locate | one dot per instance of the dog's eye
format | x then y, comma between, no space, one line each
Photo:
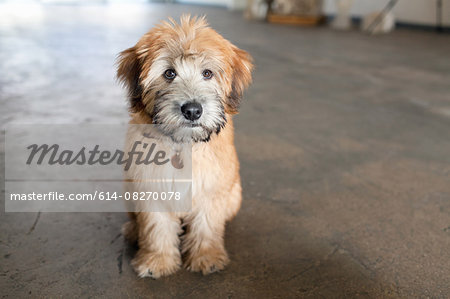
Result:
207,74
170,74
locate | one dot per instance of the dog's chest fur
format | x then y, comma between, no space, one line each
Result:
212,166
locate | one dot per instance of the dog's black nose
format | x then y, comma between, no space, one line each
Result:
192,110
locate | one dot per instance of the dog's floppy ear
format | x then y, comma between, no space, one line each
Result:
242,77
128,72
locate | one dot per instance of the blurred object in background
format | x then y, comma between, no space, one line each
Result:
297,7
343,20
297,12
256,9
380,22
411,14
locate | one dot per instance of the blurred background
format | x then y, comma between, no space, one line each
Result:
343,138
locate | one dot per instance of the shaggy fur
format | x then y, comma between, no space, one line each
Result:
188,48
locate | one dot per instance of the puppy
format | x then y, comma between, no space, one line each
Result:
188,80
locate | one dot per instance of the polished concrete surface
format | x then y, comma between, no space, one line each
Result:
344,142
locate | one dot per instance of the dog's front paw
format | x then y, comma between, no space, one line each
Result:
207,260
155,265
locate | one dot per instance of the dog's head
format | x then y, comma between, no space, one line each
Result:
186,78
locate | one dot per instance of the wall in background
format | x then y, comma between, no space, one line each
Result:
225,3
421,12
231,4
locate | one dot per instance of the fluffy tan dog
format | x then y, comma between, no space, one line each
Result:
188,80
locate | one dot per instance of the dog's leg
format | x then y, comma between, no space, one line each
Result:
130,229
158,240
203,245
234,201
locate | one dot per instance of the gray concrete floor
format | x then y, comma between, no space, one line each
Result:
344,142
